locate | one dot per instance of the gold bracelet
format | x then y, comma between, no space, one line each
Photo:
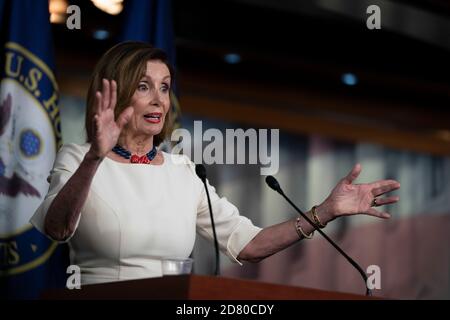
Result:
296,229
316,217
300,231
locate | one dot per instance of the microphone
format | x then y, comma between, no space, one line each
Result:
273,184
200,170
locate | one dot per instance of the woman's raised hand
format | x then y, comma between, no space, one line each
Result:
349,199
106,129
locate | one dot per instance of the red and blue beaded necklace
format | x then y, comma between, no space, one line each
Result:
124,153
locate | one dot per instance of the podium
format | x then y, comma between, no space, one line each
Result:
195,287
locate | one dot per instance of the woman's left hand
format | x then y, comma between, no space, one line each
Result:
349,199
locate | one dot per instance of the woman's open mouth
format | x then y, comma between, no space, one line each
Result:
154,117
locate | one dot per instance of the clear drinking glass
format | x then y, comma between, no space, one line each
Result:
175,266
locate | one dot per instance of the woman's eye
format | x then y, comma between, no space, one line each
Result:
142,87
165,88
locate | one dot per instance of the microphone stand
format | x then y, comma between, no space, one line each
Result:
201,173
273,184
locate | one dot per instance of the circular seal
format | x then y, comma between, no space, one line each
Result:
29,138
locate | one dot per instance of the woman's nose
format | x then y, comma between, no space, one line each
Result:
156,99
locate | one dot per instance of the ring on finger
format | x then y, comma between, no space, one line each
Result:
374,202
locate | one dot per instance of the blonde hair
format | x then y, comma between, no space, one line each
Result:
126,63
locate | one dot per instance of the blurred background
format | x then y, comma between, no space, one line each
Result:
338,92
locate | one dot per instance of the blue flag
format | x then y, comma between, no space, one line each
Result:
151,21
30,136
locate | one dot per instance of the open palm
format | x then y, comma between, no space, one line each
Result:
348,198
106,128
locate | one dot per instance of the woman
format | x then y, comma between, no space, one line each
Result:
123,205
